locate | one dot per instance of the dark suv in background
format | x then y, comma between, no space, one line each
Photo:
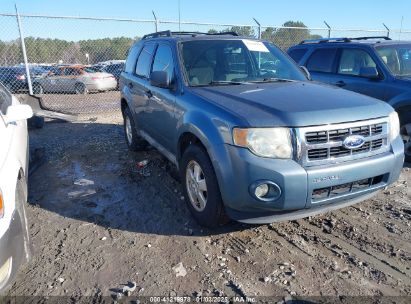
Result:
375,66
15,80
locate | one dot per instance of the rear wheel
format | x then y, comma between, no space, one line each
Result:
134,141
201,189
81,89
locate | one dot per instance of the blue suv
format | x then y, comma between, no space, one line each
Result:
375,66
252,137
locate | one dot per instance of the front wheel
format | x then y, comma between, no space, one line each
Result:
405,131
201,190
81,89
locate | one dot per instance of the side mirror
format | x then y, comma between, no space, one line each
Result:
306,72
18,112
369,72
160,79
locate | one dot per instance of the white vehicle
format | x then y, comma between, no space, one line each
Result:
14,237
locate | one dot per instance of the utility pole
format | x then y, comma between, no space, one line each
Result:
329,29
179,16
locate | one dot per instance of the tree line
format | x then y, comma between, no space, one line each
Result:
41,50
291,33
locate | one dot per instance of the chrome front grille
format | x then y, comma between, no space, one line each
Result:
324,144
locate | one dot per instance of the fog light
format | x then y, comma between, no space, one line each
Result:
261,190
266,191
5,270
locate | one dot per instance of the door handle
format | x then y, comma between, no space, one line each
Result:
148,93
130,85
340,83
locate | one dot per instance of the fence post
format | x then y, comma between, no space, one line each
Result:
388,30
329,29
259,28
23,48
156,21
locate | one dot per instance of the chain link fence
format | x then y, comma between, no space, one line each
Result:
75,62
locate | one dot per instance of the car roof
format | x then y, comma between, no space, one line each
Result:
369,41
186,36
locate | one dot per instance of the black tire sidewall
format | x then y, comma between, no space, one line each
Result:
136,143
37,88
213,214
405,118
82,91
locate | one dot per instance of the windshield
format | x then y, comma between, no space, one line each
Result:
397,58
220,62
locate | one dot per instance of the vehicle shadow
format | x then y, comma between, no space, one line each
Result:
86,173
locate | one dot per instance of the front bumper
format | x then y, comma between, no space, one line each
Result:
12,246
238,168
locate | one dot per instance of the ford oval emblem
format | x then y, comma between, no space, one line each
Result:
353,142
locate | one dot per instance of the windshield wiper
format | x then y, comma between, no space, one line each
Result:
225,82
273,79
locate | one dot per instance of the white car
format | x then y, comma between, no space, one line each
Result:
14,237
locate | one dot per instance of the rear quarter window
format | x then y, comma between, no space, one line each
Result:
132,58
297,54
322,60
144,61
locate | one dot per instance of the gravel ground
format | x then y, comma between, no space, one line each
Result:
97,222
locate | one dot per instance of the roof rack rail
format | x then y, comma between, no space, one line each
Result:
345,39
325,40
371,37
157,34
170,34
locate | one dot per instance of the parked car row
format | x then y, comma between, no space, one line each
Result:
76,79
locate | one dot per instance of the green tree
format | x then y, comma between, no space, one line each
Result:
292,32
246,31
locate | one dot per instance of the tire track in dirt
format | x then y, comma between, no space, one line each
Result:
374,230
379,264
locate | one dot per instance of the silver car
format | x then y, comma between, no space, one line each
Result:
74,79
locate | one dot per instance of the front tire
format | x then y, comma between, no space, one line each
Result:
81,89
405,132
201,189
133,140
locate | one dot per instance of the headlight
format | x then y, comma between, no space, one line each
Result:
394,125
265,142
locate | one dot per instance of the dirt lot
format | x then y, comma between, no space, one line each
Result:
97,222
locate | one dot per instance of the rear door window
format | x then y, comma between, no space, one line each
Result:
322,60
132,58
297,54
144,61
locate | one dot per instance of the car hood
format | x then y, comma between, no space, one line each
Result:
293,104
